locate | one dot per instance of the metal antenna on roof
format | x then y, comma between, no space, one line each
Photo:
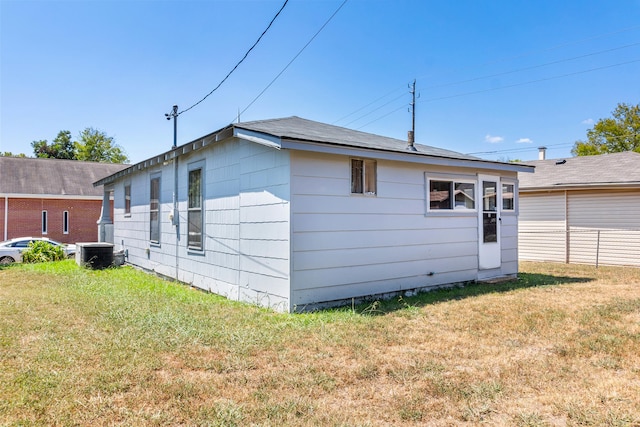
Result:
174,114
412,109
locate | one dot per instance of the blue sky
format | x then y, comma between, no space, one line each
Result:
494,77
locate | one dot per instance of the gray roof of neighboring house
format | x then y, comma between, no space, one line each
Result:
52,177
298,133
605,170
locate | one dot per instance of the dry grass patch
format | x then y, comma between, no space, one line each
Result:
559,346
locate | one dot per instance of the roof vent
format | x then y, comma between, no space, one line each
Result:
561,162
542,153
410,141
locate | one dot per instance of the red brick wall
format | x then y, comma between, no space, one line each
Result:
25,218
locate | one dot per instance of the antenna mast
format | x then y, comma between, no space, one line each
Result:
412,109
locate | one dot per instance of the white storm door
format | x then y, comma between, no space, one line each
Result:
489,222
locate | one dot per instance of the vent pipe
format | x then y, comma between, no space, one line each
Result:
410,141
542,153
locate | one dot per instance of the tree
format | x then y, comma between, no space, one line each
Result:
10,154
96,146
62,147
93,146
612,135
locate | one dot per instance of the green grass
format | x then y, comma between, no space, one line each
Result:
560,345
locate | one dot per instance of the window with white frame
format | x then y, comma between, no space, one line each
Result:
445,194
127,199
363,176
65,222
194,209
508,196
45,224
154,210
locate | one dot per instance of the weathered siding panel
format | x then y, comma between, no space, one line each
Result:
246,223
605,227
346,245
541,227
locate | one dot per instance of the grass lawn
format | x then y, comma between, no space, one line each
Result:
560,346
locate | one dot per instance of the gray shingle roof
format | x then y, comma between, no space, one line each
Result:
308,130
52,177
588,171
297,130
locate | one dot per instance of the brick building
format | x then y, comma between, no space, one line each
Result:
51,198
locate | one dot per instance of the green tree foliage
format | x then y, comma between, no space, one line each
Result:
92,146
96,146
62,147
10,154
612,135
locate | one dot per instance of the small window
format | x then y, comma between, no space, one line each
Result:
194,209
445,195
44,222
127,199
154,211
508,197
363,177
65,222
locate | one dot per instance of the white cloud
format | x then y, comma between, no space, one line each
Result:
587,122
493,139
524,141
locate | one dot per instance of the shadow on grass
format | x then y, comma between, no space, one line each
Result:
466,290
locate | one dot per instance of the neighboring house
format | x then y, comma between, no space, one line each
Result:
51,198
582,210
294,214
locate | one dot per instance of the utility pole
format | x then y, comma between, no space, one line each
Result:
174,115
412,109
174,216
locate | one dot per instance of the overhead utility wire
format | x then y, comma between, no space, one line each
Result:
504,87
559,61
480,78
294,58
239,62
498,61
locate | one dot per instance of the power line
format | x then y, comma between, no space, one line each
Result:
499,74
505,87
294,58
239,62
533,67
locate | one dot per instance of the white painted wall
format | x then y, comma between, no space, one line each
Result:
341,245
616,214
246,246
545,216
541,227
346,245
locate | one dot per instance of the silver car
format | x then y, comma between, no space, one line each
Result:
11,250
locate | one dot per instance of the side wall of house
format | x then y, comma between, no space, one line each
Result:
585,227
604,227
245,253
351,245
24,218
542,225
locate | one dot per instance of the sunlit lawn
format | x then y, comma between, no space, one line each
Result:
559,346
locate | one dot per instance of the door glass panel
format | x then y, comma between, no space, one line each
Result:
489,211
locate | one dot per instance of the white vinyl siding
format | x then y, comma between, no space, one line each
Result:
585,227
604,227
541,235
345,247
246,223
